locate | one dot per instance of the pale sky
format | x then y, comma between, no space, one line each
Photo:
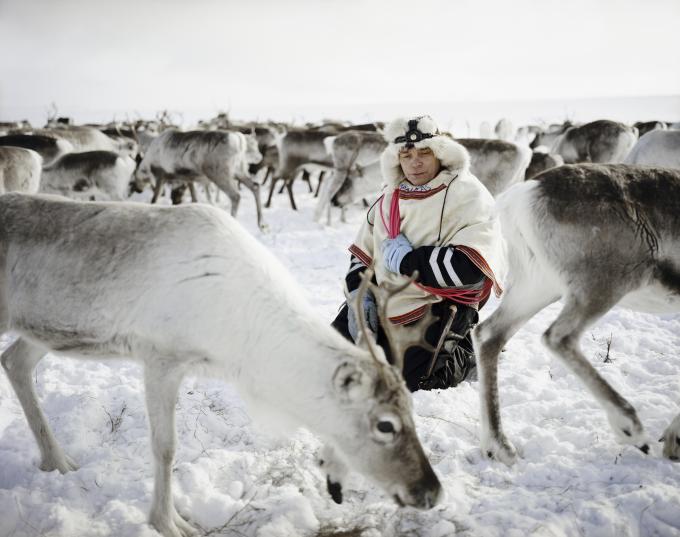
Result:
206,55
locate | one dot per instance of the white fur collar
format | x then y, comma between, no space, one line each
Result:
453,156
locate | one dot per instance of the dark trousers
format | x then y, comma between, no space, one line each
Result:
417,359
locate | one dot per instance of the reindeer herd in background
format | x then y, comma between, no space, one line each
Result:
591,214
109,162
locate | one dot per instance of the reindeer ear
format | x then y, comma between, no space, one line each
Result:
351,383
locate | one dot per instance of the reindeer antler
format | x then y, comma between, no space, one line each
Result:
365,339
400,339
411,335
133,129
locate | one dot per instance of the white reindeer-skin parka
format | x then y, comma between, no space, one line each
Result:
453,209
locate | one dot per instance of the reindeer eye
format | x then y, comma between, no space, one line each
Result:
385,427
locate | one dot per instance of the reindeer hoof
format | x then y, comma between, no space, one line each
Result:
172,524
63,463
628,429
671,440
500,450
334,489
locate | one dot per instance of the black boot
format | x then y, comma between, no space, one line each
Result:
456,361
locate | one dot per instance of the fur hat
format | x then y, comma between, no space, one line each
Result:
419,132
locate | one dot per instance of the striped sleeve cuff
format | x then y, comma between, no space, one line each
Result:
441,267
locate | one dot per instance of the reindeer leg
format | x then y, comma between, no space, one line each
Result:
272,186
324,203
208,193
267,172
192,191
306,176
318,186
289,188
161,383
562,338
19,360
520,303
177,194
228,186
160,183
255,189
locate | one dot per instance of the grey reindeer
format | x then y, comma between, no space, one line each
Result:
595,236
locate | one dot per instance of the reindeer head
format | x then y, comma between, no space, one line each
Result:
127,147
374,398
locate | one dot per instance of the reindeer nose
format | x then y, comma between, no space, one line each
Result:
433,497
428,494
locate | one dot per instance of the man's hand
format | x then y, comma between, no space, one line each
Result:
369,310
394,250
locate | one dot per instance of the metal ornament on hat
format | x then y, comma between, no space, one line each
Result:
413,134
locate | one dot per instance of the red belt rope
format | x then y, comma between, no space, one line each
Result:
467,297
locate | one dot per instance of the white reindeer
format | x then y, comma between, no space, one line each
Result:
498,164
85,138
656,148
220,157
19,170
187,291
356,170
594,236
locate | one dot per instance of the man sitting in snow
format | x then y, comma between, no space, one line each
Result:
435,217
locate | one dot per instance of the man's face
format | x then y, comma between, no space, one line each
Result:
419,165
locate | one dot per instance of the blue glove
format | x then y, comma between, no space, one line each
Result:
394,250
370,311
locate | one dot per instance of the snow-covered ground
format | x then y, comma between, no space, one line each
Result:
572,479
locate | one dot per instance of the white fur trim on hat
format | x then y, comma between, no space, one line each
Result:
453,156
